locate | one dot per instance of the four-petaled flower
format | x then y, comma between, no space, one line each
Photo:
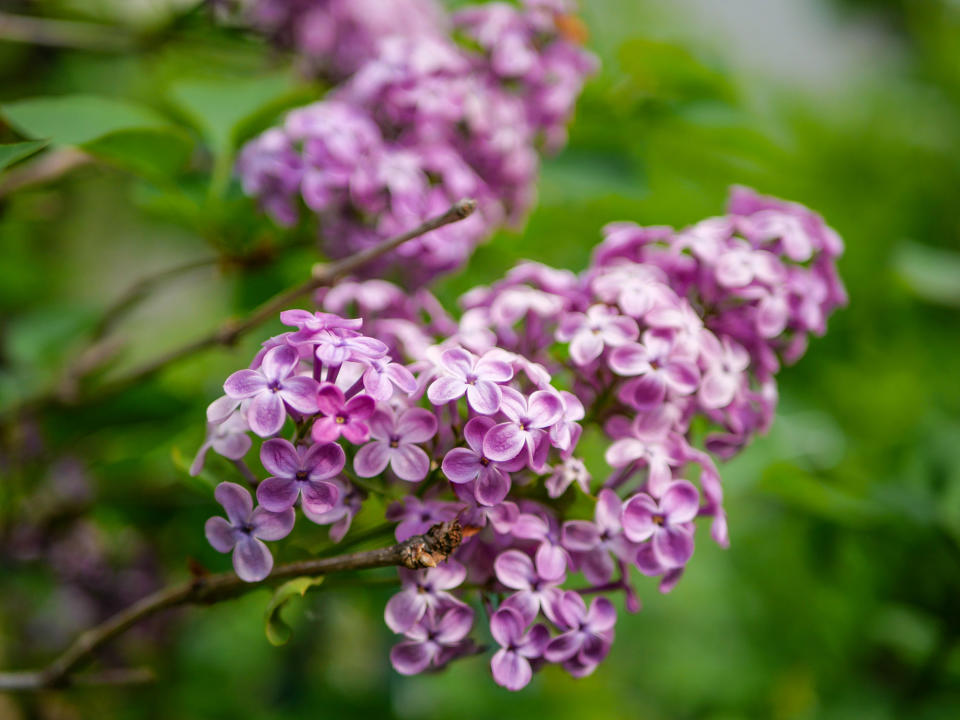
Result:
529,417
511,663
588,333
382,375
244,531
465,373
395,443
435,640
272,387
300,471
342,416
515,570
423,590
662,365
593,542
589,632
665,523
463,465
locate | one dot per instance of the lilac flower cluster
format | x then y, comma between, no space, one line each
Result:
465,419
418,123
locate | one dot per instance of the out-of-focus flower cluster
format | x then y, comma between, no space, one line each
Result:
478,419
418,121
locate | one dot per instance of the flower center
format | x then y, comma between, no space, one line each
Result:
274,386
484,461
394,441
301,475
659,519
340,419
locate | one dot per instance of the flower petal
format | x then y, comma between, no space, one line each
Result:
545,408
220,534
279,457
244,384
277,493
680,502
371,459
236,500
320,497
637,517
410,658
563,647
673,545
405,609
266,414
252,560
269,525
461,465
324,460
444,389
602,615
507,626
503,442
455,624
514,569
416,425
484,397
279,363
492,486
300,393
630,359
410,462
510,670
580,535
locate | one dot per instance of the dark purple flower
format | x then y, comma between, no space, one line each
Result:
395,443
270,388
465,373
300,471
515,570
463,465
666,523
244,531
340,516
342,416
433,641
423,590
589,632
511,663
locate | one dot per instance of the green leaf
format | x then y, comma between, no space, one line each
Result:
218,108
278,632
931,273
77,119
154,153
9,154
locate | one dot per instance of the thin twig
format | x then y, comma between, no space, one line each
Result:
420,551
46,167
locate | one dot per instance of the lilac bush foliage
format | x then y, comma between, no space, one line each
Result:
417,122
478,420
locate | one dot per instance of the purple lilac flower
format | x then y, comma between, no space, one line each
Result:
594,544
423,591
589,632
469,464
463,373
244,530
271,389
382,375
662,364
588,333
516,571
416,516
435,640
396,443
571,470
227,438
340,516
667,523
528,420
341,416
511,663
299,472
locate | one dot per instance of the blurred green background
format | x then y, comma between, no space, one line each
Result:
840,594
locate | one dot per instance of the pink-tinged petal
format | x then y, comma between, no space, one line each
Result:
244,384
220,534
277,493
405,609
325,430
233,446
444,389
360,407
503,442
448,575
410,462
330,399
401,377
300,393
630,359
503,516
371,459
772,316
494,370
411,658
597,566
416,425
545,408
297,318
670,580
673,545
530,527
718,389
455,624
593,651
377,385
266,414
620,330
484,397
647,561
680,502
570,609
510,670
252,560
682,376
659,475
221,408
197,465
324,460
279,457
461,465
320,497
356,431
526,603
382,425
272,525
458,362
474,431
646,392
551,562
513,404
624,451
637,518
492,486
608,510
602,615
514,569
538,443
507,626
563,647
236,501
585,347
580,535
279,363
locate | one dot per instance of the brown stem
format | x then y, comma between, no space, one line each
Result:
64,33
48,166
420,551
